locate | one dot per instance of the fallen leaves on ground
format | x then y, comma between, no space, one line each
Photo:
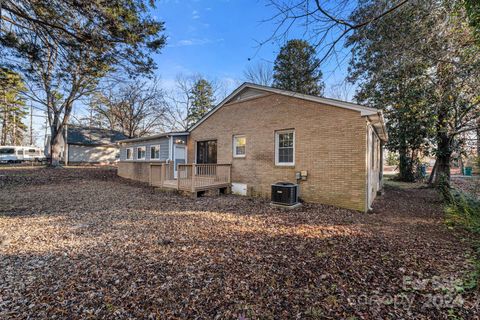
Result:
83,243
469,185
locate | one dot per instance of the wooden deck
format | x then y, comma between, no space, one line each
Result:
191,177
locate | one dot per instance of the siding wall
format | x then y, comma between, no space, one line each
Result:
139,171
164,147
98,154
330,143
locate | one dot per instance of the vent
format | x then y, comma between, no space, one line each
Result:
285,193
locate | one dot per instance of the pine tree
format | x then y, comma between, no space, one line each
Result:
12,107
202,98
297,69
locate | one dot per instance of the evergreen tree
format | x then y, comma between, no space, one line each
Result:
297,69
12,108
473,13
421,65
202,100
67,46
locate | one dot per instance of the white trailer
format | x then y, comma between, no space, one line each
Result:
17,154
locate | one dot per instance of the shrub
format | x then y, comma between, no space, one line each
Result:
463,210
392,159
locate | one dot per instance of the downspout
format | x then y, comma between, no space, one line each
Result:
381,164
367,156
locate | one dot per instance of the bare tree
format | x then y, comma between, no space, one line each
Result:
56,83
326,23
136,109
260,73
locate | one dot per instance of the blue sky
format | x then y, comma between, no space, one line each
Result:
216,38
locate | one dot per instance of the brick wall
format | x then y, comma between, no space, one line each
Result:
330,143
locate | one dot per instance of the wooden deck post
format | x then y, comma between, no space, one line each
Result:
150,174
178,176
163,172
194,174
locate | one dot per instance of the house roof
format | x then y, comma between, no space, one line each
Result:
156,136
375,116
92,136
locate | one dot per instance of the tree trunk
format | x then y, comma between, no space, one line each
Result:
444,154
55,145
478,137
405,166
432,173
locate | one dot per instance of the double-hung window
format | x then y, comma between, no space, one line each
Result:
239,146
129,153
155,152
285,148
141,152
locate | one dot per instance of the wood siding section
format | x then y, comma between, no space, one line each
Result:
162,142
95,154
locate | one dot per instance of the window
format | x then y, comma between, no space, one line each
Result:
155,152
20,152
239,145
207,151
7,151
285,148
141,152
129,153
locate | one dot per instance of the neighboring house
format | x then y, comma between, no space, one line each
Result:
260,135
89,145
136,155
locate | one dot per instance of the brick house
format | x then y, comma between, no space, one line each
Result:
260,135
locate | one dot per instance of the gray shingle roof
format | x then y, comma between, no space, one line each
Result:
93,136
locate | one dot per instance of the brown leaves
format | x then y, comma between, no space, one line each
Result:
81,243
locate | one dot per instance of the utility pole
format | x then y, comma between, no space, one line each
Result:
31,124
5,120
14,128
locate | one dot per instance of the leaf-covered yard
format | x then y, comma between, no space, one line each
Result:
82,243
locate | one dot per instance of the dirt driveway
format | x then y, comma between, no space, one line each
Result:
82,243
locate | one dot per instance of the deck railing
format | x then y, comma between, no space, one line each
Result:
197,177
190,177
160,172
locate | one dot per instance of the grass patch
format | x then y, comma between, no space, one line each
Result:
463,210
392,180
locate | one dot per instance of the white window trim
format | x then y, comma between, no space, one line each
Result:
285,164
145,152
131,153
235,155
151,146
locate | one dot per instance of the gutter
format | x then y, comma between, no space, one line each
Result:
156,136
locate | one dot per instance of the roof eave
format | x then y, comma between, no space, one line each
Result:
365,111
378,122
156,136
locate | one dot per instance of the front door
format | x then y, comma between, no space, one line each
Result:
179,158
207,152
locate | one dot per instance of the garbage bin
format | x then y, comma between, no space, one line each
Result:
468,171
423,170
